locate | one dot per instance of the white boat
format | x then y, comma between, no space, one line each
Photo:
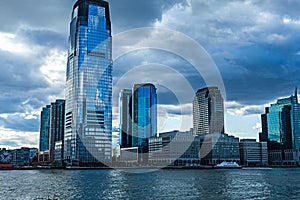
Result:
228,165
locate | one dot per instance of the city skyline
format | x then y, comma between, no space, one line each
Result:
34,47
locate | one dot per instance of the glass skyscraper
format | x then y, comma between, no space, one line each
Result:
208,111
45,129
144,114
281,123
88,129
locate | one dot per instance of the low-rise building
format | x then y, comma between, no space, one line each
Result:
22,157
58,153
287,157
253,153
218,147
174,148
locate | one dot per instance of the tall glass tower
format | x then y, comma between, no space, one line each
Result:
144,114
281,123
88,129
45,129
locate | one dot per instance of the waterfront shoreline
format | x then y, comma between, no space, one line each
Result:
144,168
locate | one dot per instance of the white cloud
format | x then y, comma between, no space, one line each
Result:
16,139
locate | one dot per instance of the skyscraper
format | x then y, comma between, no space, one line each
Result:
125,104
208,111
144,114
45,129
57,123
88,129
281,123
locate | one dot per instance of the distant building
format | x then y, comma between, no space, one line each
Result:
138,119
219,147
45,129
52,127
44,158
144,114
253,153
125,105
6,158
287,157
130,155
23,156
208,111
57,126
58,153
174,149
281,124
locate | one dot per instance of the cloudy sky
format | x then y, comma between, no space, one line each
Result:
254,45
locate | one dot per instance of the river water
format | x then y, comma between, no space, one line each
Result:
161,184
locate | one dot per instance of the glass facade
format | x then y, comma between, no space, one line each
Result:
88,129
45,129
281,123
144,114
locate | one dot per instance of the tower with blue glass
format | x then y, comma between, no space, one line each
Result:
88,127
45,128
281,124
144,114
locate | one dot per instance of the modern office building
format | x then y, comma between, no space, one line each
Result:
52,127
23,156
57,125
144,114
138,120
253,153
208,111
281,124
45,129
125,104
216,148
174,149
88,128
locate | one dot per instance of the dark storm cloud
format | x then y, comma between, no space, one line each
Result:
254,44
43,37
128,14
19,123
54,14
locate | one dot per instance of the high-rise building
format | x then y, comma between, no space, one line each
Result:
125,105
281,124
208,111
45,129
88,129
144,114
57,125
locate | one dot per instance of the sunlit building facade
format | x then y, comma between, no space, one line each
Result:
88,129
208,111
